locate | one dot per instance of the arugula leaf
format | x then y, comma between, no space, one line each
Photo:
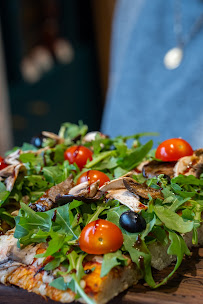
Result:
56,242
32,226
4,215
174,200
177,247
101,156
136,248
62,222
119,172
107,164
70,131
4,194
31,158
172,220
149,227
94,216
27,147
30,219
75,264
59,153
179,190
187,180
160,234
110,260
54,264
36,182
53,175
134,158
60,284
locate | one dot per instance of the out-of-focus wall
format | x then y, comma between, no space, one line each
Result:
5,123
51,65
103,11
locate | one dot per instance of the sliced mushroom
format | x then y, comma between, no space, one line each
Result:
12,158
47,201
114,184
10,252
199,153
39,151
67,198
126,198
7,171
155,168
10,181
85,189
116,189
139,168
43,204
141,190
54,136
82,192
79,188
190,165
90,136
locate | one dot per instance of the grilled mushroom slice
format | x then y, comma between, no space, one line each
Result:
116,189
85,189
141,190
12,158
7,171
190,165
54,136
83,192
112,185
126,198
47,201
11,173
155,168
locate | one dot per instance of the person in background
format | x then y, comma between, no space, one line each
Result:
156,72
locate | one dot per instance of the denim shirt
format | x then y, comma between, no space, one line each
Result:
143,95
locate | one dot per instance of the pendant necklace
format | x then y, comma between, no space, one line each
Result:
174,56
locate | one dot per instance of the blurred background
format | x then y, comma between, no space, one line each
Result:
54,61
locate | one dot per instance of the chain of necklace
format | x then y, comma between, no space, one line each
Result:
174,56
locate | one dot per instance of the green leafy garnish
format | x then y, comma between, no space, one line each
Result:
178,212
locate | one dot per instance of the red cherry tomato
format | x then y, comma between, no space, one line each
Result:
2,163
92,176
100,237
173,149
78,155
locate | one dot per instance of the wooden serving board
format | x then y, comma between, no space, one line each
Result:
186,287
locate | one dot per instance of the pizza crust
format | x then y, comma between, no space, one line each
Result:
100,289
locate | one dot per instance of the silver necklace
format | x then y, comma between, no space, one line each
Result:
174,56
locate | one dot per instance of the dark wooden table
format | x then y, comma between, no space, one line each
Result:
186,287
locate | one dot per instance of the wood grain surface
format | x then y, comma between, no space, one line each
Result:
186,287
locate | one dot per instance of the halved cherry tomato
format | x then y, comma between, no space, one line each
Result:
173,149
78,155
2,163
100,237
93,176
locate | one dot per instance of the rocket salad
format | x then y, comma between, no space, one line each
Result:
101,224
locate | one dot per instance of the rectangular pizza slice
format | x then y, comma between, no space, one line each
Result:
92,217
